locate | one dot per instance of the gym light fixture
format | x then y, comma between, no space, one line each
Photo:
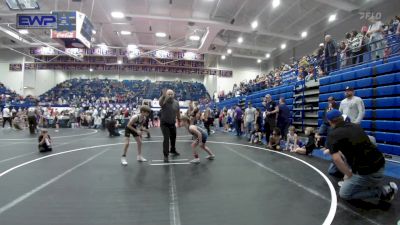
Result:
304,34
119,61
283,46
91,69
125,32
23,31
240,40
254,24
223,57
259,60
332,18
117,15
275,3
161,34
267,55
229,51
194,38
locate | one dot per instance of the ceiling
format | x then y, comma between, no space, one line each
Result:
219,23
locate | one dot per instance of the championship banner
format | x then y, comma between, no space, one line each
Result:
15,67
130,54
125,68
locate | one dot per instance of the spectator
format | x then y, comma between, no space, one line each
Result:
44,142
256,135
275,139
324,129
292,139
343,57
258,118
310,145
359,160
330,54
375,38
6,116
112,127
271,110
283,117
249,117
356,46
238,116
352,106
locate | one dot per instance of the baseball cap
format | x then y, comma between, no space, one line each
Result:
268,95
333,114
349,88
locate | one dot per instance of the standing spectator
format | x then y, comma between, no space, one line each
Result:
330,54
103,114
352,106
6,116
271,110
324,129
258,119
359,160
375,38
356,46
283,117
249,117
169,114
238,116
342,50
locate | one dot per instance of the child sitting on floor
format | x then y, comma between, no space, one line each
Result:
275,139
309,147
44,142
292,140
256,135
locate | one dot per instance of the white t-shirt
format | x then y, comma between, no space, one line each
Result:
6,112
354,108
250,114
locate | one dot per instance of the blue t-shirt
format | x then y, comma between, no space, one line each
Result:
239,113
284,113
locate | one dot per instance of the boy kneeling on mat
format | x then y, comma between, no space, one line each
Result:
135,127
198,134
44,142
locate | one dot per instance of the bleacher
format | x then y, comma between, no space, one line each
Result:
126,91
257,97
378,84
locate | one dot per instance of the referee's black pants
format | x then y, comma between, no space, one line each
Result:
169,133
5,119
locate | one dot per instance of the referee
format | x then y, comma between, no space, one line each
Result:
169,112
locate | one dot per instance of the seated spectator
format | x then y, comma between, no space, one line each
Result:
112,127
292,139
310,145
44,142
275,139
256,135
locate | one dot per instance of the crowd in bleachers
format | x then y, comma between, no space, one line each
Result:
100,91
8,96
372,42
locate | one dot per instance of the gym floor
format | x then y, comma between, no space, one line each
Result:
83,182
